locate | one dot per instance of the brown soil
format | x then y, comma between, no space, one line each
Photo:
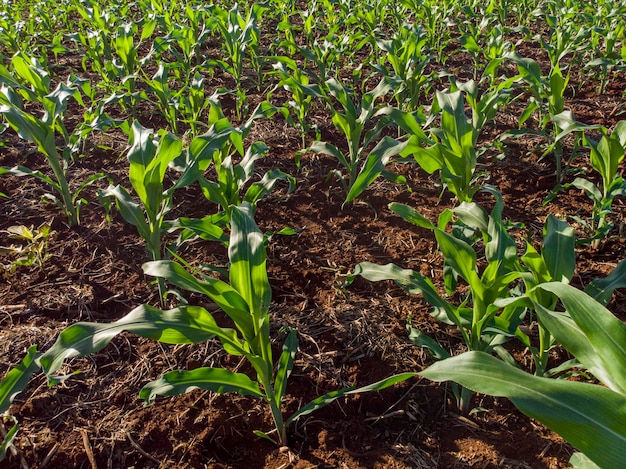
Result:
353,335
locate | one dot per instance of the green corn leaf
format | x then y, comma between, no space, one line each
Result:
559,241
329,149
214,192
580,461
411,122
567,123
8,81
593,192
224,295
326,399
168,149
21,171
140,154
461,257
206,228
619,132
285,365
376,162
248,272
338,91
590,417
601,289
453,119
129,209
528,111
528,68
31,71
574,339
422,340
56,102
201,150
30,128
605,157
430,159
17,379
557,87
411,215
261,188
182,325
473,215
410,281
8,439
606,335
537,265
218,380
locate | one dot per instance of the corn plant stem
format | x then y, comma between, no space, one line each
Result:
277,415
154,248
353,150
542,362
63,187
464,400
266,378
558,155
477,314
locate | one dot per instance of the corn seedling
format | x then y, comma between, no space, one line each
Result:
406,54
483,326
596,338
362,165
42,132
185,41
605,158
451,148
547,97
245,300
149,159
185,104
231,176
297,82
240,36
555,262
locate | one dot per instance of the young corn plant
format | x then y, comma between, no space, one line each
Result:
245,299
42,132
556,262
297,82
486,104
548,99
167,100
483,326
149,158
240,36
439,18
183,105
473,31
234,166
362,165
184,41
596,338
406,54
451,148
608,50
605,157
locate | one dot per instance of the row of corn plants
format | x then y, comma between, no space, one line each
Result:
383,74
